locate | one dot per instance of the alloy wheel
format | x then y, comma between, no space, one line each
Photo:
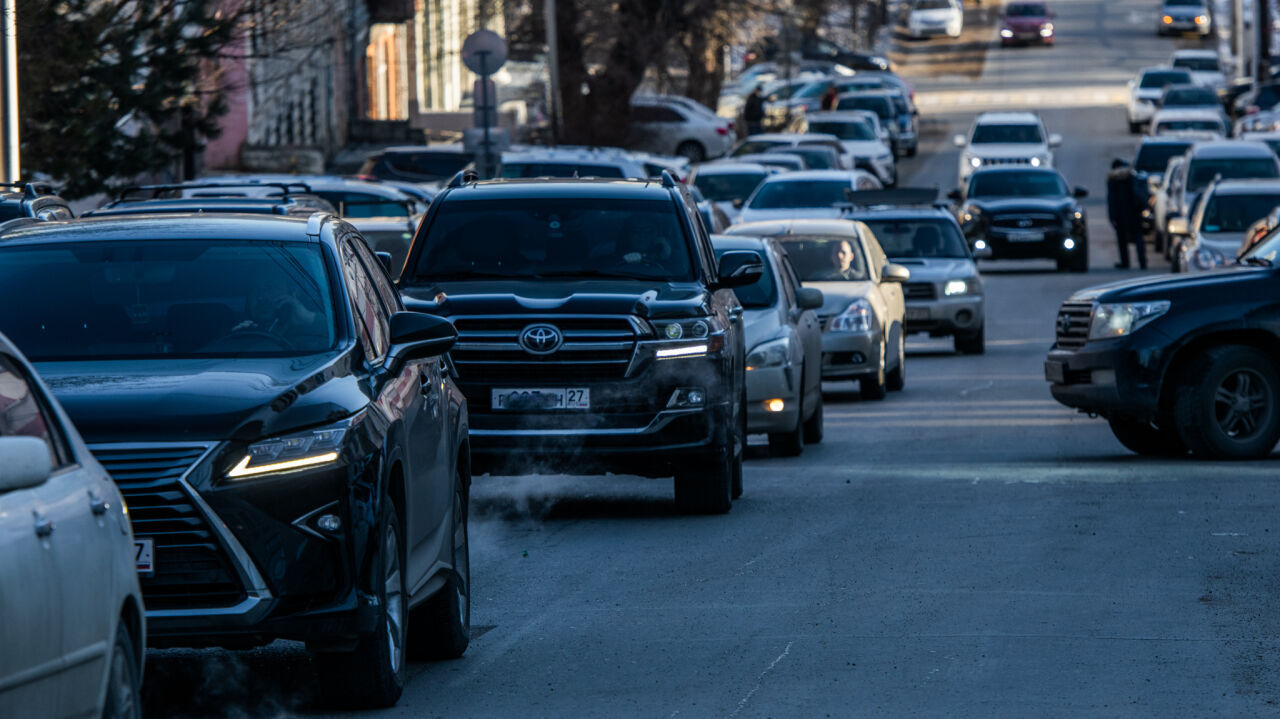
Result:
1241,403
393,587
462,559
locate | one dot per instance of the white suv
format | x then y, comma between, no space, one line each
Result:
926,18
1006,138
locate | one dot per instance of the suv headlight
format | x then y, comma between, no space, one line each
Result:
975,162
686,329
1207,258
962,286
1118,320
774,353
857,317
687,338
292,452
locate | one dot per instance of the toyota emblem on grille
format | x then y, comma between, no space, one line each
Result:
541,339
1064,324
1024,223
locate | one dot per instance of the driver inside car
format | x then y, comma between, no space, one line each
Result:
273,306
644,244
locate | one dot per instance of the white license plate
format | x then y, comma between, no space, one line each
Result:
1028,236
541,398
144,555
1055,372
916,313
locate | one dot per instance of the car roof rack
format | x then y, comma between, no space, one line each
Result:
31,189
156,191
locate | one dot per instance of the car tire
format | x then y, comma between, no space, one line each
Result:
913,151
440,628
1146,439
124,685
873,387
813,427
788,444
897,379
1135,128
1080,263
971,343
373,674
706,487
692,151
1227,405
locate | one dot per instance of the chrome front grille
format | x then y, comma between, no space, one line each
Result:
192,569
1073,324
990,161
1026,221
594,347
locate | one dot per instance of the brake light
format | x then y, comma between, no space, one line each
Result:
366,178
722,131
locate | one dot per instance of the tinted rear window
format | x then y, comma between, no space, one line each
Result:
1154,157
799,193
1160,79
919,238
1203,171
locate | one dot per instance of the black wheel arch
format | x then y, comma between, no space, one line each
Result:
1192,347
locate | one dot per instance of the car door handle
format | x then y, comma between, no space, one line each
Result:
44,526
97,504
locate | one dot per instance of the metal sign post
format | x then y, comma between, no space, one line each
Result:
10,167
485,52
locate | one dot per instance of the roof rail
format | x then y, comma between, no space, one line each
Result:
667,179
286,188
464,177
31,189
316,221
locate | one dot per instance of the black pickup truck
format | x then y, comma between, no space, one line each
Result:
1178,364
597,331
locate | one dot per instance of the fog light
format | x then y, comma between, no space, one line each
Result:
329,523
774,405
1006,33
687,397
964,317
1069,244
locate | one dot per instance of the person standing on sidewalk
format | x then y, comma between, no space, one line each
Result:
1124,212
753,112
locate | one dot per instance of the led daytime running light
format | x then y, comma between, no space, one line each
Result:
244,470
688,351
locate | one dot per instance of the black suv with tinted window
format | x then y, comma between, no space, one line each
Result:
597,332
1178,364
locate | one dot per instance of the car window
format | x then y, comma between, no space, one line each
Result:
1190,96
381,282
1155,156
1198,64
988,132
1161,78
1234,213
844,129
753,147
1025,10
919,237
559,169
1205,125
364,204
728,186
826,259
879,105
654,113
24,413
153,299
366,308
815,158
1203,170
799,193
427,165
877,258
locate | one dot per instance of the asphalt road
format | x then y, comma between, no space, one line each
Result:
966,547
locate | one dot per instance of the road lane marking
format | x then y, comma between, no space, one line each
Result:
760,681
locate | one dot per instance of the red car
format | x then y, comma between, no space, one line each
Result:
1026,22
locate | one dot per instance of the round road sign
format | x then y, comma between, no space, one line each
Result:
484,52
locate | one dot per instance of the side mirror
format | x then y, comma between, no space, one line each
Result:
955,195
1080,193
385,259
738,202
1055,139
894,273
417,335
740,268
958,140
808,298
1178,226
24,463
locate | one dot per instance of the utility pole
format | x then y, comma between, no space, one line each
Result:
1237,35
554,104
12,167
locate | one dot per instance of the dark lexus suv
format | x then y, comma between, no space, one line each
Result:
597,332
293,454
1178,364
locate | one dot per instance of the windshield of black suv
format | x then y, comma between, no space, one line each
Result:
844,129
1028,183
1202,171
728,186
559,169
826,259
1198,64
569,237
799,193
1190,96
879,104
1234,213
919,238
1006,133
762,293
1155,156
1160,78
1025,10
167,299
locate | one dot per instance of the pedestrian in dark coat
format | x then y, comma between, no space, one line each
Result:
829,99
1124,211
753,112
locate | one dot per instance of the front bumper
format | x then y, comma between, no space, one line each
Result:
850,355
1141,111
1109,377
945,316
773,383
1003,244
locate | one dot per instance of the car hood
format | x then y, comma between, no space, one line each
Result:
1228,243
938,14
646,298
203,399
1022,204
1163,286
760,325
836,296
1148,93
1013,149
936,269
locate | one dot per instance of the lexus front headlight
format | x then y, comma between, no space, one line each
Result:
774,353
292,452
857,317
1118,320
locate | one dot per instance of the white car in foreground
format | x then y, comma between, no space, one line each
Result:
927,18
73,618
1005,138
822,194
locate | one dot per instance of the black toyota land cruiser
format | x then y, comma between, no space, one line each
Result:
596,331
1178,363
